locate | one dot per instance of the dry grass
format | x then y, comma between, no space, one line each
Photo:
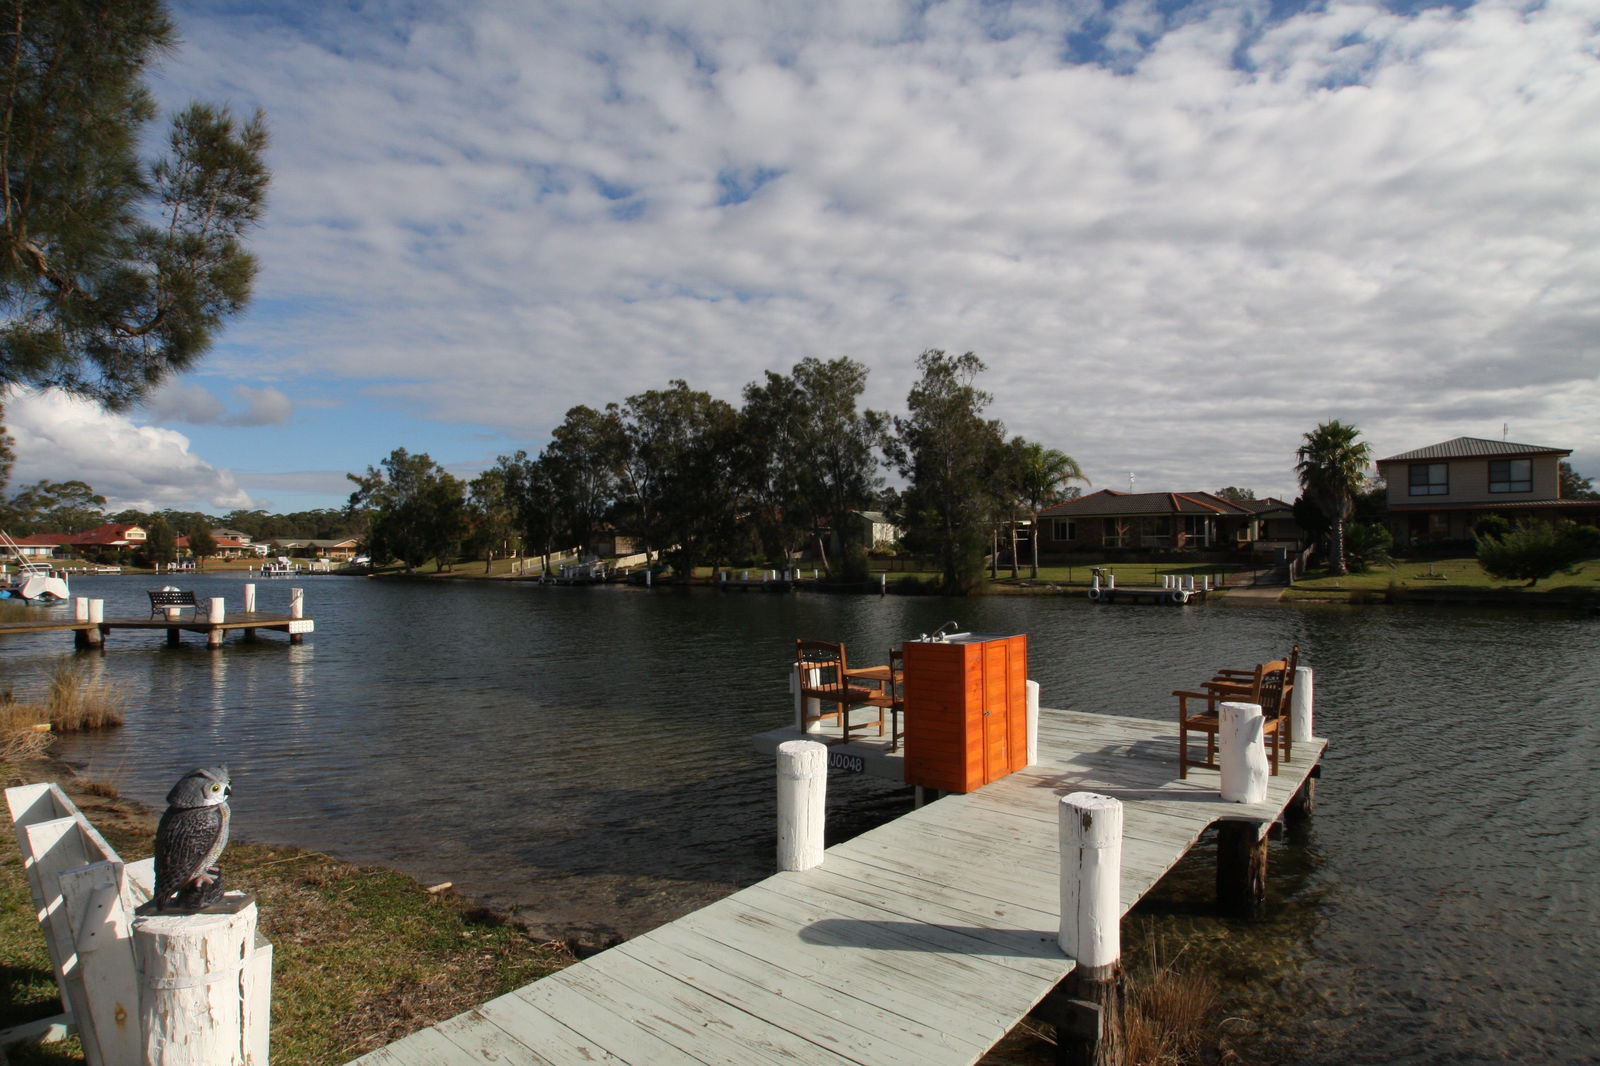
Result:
24,730
1172,1019
80,700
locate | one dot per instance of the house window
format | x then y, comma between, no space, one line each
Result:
1511,475
1430,479
1063,529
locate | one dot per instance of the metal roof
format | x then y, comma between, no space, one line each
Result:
1112,502
1475,448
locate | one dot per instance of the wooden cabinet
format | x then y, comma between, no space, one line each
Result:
966,710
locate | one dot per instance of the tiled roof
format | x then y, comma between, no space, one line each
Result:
1475,448
39,540
1112,502
112,534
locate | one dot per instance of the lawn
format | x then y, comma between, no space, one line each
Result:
1458,575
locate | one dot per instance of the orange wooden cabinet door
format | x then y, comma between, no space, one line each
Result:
966,711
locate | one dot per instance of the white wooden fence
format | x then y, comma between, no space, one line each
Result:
157,990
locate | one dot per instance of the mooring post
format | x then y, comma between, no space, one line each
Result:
1089,1003
1242,752
297,611
217,614
83,638
802,803
196,1006
1033,722
1300,705
97,615
250,598
806,709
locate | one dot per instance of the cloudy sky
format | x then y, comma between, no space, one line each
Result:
1179,235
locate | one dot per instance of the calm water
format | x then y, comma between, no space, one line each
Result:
582,756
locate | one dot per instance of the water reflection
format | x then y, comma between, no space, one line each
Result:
582,755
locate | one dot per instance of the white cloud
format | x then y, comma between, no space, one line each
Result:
1177,258
197,405
60,437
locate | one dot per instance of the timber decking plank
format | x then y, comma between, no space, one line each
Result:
484,1041
885,988
591,1012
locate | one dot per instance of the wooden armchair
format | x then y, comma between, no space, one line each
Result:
1270,686
1244,678
891,693
822,667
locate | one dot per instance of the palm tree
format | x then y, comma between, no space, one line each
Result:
1043,475
1332,467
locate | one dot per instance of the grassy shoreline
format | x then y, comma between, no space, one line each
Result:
362,954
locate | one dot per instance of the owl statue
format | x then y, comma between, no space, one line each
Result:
189,841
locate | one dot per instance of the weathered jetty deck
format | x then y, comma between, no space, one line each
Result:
90,634
919,943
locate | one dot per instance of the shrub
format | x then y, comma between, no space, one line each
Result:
77,701
1366,546
1537,550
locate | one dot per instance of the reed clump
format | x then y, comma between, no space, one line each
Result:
77,700
1172,1020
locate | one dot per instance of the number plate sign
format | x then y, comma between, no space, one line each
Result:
839,760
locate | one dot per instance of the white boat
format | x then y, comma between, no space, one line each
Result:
33,581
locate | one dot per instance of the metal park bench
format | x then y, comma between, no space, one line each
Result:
169,603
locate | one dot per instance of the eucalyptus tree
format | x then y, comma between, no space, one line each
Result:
415,510
202,545
160,541
950,455
1332,463
1041,477
491,514
579,468
54,507
114,273
807,455
677,481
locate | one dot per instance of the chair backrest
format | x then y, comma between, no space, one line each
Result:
1274,682
897,672
821,664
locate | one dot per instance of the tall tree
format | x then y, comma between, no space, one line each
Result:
113,273
491,514
1041,477
806,453
1332,463
677,485
1575,486
54,507
414,508
202,545
160,541
948,452
580,466
531,497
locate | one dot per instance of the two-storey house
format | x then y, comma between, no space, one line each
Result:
1439,492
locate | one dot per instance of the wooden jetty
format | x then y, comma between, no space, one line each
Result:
92,632
920,943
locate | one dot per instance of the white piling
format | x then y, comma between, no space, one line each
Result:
249,598
1111,581
806,707
1094,583
297,603
80,608
1300,705
195,1007
802,803
1090,832
1033,723
648,575
97,611
1188,582
1242,751
219,609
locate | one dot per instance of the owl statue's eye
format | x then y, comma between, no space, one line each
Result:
216,788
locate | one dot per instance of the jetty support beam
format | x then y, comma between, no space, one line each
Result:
1242,868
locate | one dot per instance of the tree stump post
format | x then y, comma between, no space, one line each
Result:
802,803
1093,995
197,1004
1242,752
